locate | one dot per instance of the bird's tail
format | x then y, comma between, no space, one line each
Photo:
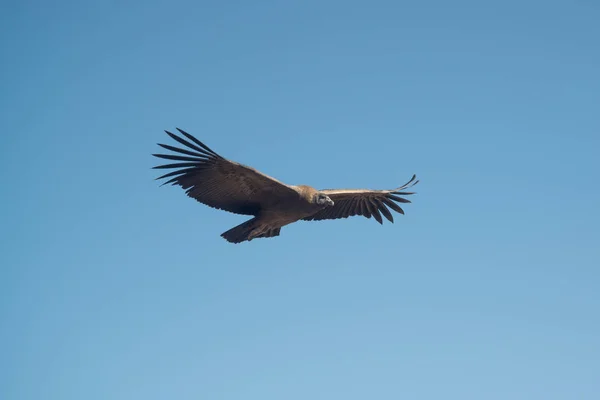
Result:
240,233
247,231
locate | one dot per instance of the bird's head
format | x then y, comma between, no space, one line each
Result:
323,200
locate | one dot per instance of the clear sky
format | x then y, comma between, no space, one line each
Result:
113,287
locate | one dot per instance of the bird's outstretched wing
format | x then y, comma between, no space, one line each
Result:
218,182
366,202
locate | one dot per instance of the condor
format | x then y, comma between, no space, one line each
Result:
227,185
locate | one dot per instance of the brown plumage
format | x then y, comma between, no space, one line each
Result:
227,185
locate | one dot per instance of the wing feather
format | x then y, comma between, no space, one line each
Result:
398,198
392,205
355,208
375,210
364,210
218,182
383,209
177,158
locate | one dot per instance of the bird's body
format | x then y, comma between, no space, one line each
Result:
223,184
274,216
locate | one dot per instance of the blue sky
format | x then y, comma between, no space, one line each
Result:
112,287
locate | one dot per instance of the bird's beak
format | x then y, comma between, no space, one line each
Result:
330,202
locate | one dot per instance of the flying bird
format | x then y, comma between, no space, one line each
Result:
230,186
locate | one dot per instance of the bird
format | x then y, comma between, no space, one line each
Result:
224,184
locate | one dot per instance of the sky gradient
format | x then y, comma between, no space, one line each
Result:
113,287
